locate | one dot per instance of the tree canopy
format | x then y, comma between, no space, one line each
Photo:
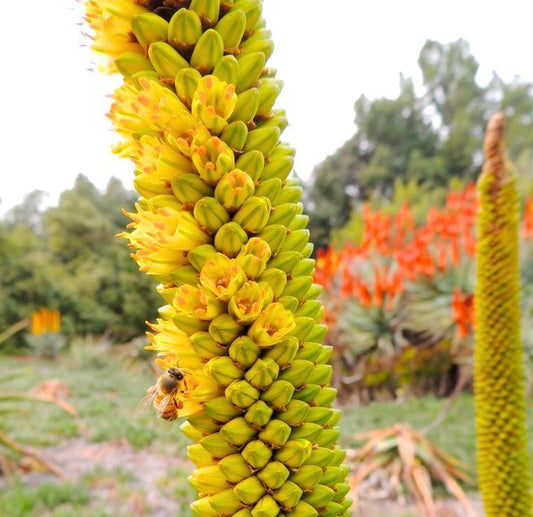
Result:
428,137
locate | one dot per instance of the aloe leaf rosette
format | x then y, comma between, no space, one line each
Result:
503,462
219,224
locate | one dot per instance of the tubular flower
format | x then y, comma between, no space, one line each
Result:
219,223
503,462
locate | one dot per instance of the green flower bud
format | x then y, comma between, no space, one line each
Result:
199,456
303,509
210,214
294,453
257,454
140,77
308,393
234,189
191,432
275,433
319,415
298,286
339,455
260,41
304,268
295,413
341,489
320,497
278,168
205,346
238,431
149,28
290,303
328,437
242,394
318,332
263,373
235,135
274,475
262,139
186,83
276,279
302,328
310,309
325,354
217,445
321,374
265,507
314,292
204,423
258,414
282,214
320,456
227,70
278,394
291,194
274,235
224,329
346,504
208,51
298,372
308,249
250,68
309,351
254,256
207,10
245,512
269,89
199,255
252,10
288,495
203,507
244,351
188,324
189,188
231,29
222,370
269,188
184,30
167,292
206,389
299,222
234,468
285,260
221,410
334,420
225,502
250,490
332,510
246,107
208,480
166,60
283,353
252,163
331,476
253,214
307,477
184,275
308,431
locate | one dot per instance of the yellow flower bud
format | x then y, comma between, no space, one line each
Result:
272,325
197,302
222,276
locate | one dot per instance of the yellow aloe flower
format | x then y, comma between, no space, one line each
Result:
222,276
197,302
272,325
248,301
213,102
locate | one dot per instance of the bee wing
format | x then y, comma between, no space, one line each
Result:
146,402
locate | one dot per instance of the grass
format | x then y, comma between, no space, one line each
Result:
106,394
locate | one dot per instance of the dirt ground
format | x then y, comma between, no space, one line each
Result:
144,473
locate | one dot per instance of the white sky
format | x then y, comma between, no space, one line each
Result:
327,53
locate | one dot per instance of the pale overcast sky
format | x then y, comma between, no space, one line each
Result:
327,53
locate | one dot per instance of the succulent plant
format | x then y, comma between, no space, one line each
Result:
503,462
220,225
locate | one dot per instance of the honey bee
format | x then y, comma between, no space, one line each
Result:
167,393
